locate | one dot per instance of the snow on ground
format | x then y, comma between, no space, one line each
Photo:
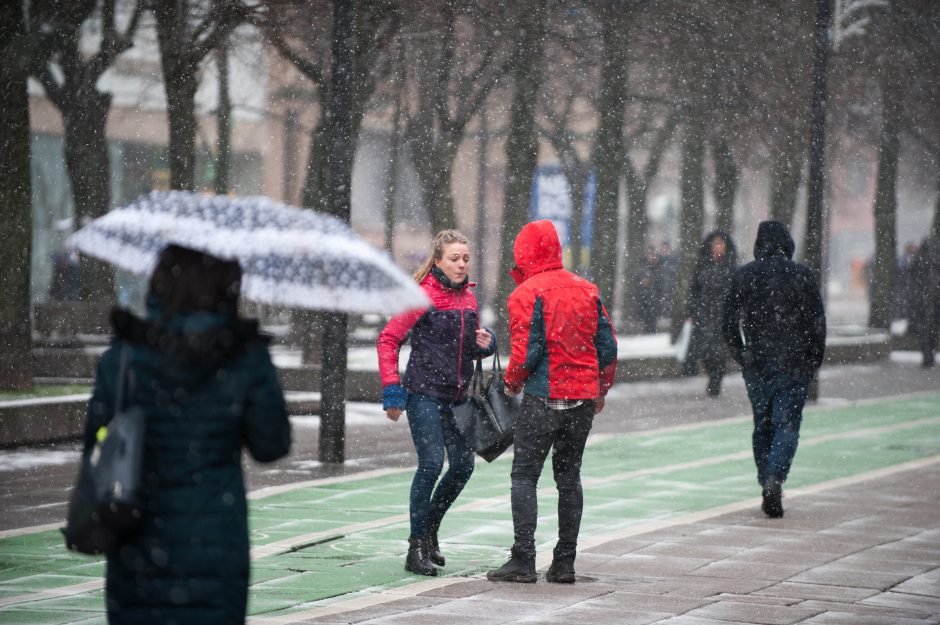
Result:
19,459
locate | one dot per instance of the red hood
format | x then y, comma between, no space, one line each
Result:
536,249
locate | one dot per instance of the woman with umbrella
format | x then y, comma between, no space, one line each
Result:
445,339
206,384
711,282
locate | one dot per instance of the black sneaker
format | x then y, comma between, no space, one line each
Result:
519,569
773,500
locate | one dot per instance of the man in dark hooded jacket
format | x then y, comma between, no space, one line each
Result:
775,325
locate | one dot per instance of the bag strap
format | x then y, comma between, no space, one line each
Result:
497,366
123,378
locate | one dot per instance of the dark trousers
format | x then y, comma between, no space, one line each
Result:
538,430
777,399
434,432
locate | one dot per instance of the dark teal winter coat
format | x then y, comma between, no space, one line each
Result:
208,388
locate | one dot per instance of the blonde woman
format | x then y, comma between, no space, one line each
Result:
445,340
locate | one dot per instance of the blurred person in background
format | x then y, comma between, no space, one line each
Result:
711,281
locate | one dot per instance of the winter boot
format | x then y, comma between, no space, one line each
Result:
417,560
773,499
434,548
520,568
561,570
714,386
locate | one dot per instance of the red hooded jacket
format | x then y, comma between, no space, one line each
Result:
563,343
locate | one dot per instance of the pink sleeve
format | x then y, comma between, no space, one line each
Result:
389,343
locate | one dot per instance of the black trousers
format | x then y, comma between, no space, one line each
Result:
538,430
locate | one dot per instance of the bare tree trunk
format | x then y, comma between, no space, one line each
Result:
434,169
16,218
577,188
223,115
883,267
726,184
85,116
522,151
180,107
609,154
935,229
786,173
637,225
692,215
332,442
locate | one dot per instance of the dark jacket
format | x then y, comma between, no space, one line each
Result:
207,386
563,343
443,342
775,304
711,283
925,300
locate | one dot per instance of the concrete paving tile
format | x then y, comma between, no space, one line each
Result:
781,554
456,591
897,552
848,618
586,562
817,543
431,618
616,547
703,587
757,599
822,592
752,570
491,610
377,611
752,613
867,561
544,593
887,614
685,619
847,576
643,602
689,550
909,602
651,566
927,584
595,615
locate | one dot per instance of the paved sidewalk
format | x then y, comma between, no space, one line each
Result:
672,534
865,553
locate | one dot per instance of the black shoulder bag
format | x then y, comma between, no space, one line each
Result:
485,420
105,504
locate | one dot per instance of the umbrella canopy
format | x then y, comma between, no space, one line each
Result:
289,256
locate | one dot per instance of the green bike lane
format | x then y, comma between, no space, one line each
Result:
331,541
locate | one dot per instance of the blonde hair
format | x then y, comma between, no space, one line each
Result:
444,237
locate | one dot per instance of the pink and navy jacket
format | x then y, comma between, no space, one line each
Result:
443,343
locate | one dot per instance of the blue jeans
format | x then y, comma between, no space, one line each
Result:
434,432
777,399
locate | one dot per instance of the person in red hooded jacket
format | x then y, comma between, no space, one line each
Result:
564,355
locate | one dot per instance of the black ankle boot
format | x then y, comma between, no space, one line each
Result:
417,560
561,570
520,568
434,548
772,504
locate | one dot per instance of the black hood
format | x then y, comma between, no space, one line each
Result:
773,239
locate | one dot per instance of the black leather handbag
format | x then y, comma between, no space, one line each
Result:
486,419
105,504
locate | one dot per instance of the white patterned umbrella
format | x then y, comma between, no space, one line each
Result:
289,256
